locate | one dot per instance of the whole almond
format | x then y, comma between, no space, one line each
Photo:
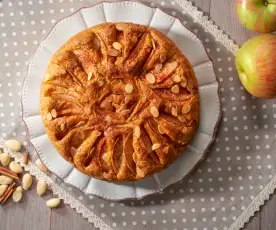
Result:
15,167
53,203
41,187
27,181
4,180
5,159
41,166
17,194
3,189
13,145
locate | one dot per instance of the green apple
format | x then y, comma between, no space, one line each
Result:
257,15
256,65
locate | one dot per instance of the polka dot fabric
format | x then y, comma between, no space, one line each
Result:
239,166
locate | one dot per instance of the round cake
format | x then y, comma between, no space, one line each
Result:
119,101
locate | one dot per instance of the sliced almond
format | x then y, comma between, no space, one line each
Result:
190,86
134,39
166,149
96,43
134,157
181,118
113,53
158,66
3,189
121,26
107,119
186,109
71,64
89,76
101,69
149,41
153,44
41,187
163,56
137,131
78,52
155,146
49,116
27,181
101,83
117,45
160,129
129,88
80,124
140,172
54,113
176,78
105,157
53,203
62,127
174,111
73,151
127,99
5,159
41,166
105,175
97,133
13,145
15,167
150,78
125,112
154,111
47,77
175,89
119,61
17,194
80,89
183,82
4,180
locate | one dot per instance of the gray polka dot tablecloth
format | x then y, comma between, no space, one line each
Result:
223,191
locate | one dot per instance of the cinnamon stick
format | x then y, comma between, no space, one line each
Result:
26,158
8,193
8,173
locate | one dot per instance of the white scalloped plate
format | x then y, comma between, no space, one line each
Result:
190,45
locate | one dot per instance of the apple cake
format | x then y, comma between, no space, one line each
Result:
119,101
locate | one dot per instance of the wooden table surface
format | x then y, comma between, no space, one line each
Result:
32,213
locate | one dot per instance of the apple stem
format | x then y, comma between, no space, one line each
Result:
266,3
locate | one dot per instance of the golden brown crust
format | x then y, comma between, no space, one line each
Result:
119,101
